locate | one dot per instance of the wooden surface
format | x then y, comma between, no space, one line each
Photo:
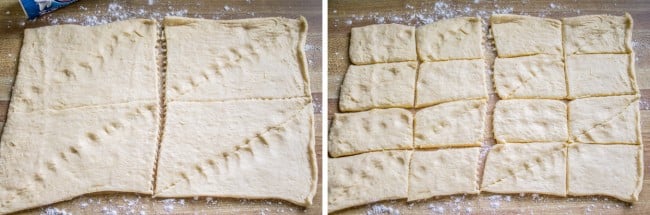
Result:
342,15
12,23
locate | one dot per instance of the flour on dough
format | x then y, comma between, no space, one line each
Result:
514,168
517,35
450,81
450,39
366,178
112,63
374,130
217,60
610,170
459,123
240,149
530,120
595,34
537,76
443,172
383,43
600,75
378,86
605,120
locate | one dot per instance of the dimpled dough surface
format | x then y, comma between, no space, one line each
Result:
600,75
85,121
215,60
450,39
443,172
377,129
450,81
594,34
384,43
366,178
459,123
537,76
530,120
517,35
605,120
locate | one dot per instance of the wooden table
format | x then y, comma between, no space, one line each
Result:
12,23
343,15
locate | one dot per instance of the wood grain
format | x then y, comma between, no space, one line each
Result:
343,15
12,24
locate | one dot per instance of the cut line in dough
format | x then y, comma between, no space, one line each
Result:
453,124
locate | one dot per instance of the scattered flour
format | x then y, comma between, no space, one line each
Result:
54,211
382,210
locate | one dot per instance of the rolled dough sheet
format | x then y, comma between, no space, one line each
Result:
605,120
453,80
530,120
241,149
84,114
526,168
600,75
530,77
459,123
594,34
377,129
517,35
450,39
443,172
112,63
217,60
384,43
610,170
50,156
378,86
366,178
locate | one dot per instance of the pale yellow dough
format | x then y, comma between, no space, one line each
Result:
459,123
217,60
443,172
84,114
526,168
382,43
530,120
537,76
605,120
610,170
600,75
517,35
367,178
450,39
595,34
450,81
378,86
377,129
241,149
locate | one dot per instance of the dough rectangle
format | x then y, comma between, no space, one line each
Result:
450,81
383,43
517,35
530,77
378,86
443,172
451,39
605,120
530,120
600,75
459,123
597,34
377,129
217,60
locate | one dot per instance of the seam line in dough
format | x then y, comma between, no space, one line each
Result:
584,132
86,106
239,99
162,104
519,170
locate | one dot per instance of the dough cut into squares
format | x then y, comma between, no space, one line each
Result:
537,76
446,81
382,43
240,149
459,123
48,156
378,86
450,39
594,34
366,178
218,60
374,130
610,170
109,64
443,172
600,75
530,120
517,35
526,168
605,120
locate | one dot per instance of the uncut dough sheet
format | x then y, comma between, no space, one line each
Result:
246,129
85,121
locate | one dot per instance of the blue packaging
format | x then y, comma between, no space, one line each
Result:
36,8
